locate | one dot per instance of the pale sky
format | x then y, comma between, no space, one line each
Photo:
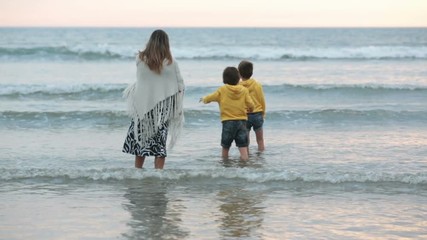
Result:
214,13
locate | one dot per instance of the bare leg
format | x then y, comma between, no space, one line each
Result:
243,153
260,139
159,162
249,140
225,152
139,161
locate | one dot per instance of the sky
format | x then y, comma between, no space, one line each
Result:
214,13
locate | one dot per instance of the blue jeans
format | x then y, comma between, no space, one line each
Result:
255,121
234,130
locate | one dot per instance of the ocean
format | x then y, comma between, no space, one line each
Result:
345,135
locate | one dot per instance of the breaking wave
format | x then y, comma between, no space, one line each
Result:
245,174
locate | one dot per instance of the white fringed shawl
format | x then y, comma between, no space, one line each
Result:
155,99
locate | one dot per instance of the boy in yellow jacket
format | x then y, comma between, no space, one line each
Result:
234,103
255,118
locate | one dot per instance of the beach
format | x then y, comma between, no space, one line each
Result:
345,135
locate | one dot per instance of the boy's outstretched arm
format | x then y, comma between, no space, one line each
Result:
214,97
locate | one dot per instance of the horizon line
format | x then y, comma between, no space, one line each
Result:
83,26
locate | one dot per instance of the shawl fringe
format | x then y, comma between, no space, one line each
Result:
168,111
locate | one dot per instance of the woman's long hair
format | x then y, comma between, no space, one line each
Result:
157,51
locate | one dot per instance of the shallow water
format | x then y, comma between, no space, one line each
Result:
195,208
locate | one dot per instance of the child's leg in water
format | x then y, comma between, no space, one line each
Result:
243,153
249,139
225,152
260,139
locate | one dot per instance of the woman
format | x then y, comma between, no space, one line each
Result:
154,102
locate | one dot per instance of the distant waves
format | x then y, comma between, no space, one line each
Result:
274,53
102,105
102,91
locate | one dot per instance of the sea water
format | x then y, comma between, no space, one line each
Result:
345,134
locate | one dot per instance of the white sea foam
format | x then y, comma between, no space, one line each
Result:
244,174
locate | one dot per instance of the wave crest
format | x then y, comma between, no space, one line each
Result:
245,174
112,52
88,90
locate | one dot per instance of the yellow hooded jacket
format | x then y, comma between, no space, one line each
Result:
234,102
256,93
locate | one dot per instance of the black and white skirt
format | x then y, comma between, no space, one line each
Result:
155,146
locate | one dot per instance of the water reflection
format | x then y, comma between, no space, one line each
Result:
152,216
243,213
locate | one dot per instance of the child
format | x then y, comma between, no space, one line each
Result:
255,118
234,103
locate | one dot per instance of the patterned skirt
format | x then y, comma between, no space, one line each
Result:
155,146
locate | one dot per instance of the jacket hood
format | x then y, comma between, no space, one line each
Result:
234,91
250,83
